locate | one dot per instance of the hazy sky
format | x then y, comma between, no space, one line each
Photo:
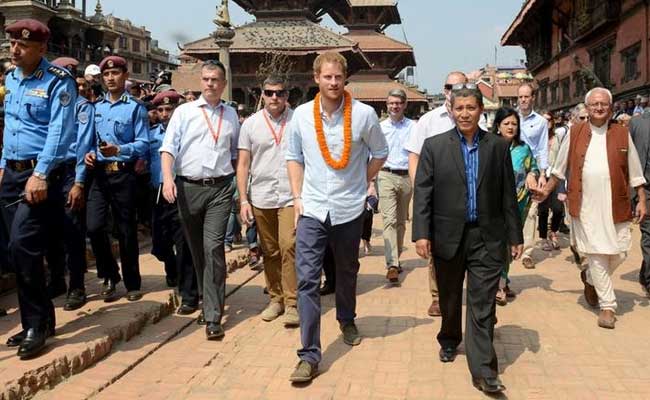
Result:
446,35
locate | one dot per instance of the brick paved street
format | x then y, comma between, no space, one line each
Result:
547,340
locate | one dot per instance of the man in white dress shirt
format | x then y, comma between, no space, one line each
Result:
394,183
602,164
200,148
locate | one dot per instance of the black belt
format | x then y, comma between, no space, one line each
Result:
206,181
400,172
116,166
21,165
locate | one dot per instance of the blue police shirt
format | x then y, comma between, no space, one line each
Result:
156,134
85,135
124,123
39,114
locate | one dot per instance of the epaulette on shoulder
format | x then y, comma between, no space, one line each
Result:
142,103
62,73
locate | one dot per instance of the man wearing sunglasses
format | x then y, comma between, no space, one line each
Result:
435,122
267,200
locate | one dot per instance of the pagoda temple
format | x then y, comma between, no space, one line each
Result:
366,21
292,28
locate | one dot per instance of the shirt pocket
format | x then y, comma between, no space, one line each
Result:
122,129
38,110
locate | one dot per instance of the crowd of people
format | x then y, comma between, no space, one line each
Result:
80,149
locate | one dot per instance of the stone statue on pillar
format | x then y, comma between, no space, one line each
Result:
223,16
223,37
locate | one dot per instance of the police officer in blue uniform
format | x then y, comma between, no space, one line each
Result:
168,241
73,241
122,137
39,111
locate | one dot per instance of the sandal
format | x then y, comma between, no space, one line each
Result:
510,294
554,241
528,262
501,297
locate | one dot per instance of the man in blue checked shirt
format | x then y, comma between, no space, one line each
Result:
39,111
73,240
122,137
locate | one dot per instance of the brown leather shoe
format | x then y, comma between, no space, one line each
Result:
606,319
392,275
590,291
434,309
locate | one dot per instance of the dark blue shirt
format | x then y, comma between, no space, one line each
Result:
470,156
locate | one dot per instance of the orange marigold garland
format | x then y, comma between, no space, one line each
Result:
347,133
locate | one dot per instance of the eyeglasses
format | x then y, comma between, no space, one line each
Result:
278,93
583,117
395,103
598,105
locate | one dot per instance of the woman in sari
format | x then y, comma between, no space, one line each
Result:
506,124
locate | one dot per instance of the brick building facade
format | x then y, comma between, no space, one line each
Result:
573,45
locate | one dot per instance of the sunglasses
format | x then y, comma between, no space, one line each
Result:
459,86
278,93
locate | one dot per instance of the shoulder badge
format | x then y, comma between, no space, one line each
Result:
39,74
125,97
65,98
59,72
83,117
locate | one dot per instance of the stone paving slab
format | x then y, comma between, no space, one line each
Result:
87,335
547,342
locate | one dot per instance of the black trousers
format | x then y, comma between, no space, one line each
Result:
553,204
644,273
115,190
482,283
28,243
70,247
170,247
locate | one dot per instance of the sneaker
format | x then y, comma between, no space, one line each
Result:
291,317
272,311
351,335
304,372
392,275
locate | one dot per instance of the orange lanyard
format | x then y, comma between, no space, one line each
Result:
216,134
277,137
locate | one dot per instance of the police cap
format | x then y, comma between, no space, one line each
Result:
29,29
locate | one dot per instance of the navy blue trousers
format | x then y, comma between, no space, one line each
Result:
28,241
312,239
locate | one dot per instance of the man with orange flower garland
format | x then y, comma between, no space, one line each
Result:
329,141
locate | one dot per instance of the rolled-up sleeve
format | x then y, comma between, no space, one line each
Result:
562,159
294,144
172,139
375,138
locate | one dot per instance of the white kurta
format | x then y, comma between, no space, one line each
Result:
594,231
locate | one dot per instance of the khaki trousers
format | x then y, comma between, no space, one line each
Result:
278,241
394,196
530,227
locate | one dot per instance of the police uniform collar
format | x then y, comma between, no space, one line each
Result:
124,97
39,72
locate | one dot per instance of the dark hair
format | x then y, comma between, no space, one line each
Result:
503,113
214,64
465,92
